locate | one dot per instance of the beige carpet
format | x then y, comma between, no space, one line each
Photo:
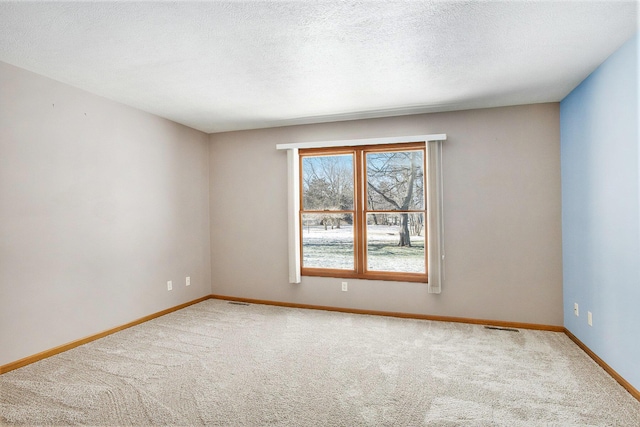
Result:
223,364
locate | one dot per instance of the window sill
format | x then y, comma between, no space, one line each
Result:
384,276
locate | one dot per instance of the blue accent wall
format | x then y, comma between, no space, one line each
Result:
600,155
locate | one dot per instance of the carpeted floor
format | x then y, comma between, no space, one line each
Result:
223,364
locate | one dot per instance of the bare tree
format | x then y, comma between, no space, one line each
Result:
394,183
328,186
393,177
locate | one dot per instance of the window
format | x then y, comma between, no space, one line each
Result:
363,192
362,212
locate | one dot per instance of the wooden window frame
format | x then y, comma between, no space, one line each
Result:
360,211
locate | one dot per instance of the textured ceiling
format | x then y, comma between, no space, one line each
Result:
219,66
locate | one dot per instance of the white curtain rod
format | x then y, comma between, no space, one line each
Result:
367,141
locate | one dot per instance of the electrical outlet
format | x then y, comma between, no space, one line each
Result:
575,309
188,281
344,286
589,318
169,285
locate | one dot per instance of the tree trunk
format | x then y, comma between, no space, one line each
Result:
405,239
375,217
405,236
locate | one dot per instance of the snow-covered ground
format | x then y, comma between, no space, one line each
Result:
333,248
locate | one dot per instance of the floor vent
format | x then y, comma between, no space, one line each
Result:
501,329
238,303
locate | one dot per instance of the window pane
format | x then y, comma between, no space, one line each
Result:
327,241
327,182
395,242
395,180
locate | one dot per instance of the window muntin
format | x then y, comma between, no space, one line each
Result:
365,203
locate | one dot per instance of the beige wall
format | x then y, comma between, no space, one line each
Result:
501,214
100,205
